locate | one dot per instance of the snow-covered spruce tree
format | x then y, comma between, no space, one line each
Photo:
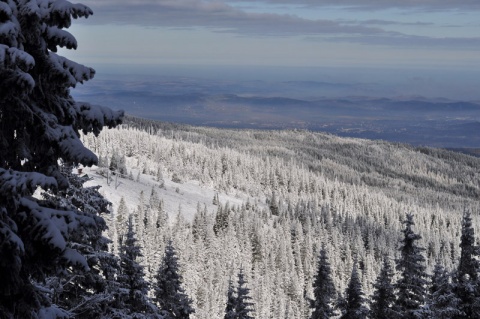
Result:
243,306
85,294
40,124
411,286
117,163
323,288
168,291
442,303
231,301
467,286
121,214
354,298
134,293
221,219
383,297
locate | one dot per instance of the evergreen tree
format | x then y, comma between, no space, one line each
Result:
231,301
383,296
40,124
243,307
323,289
273,205
117,164
221,219
122,213
354,298
86,294
468,264
467,277
199,224
131,277
411,285
442,302
169,294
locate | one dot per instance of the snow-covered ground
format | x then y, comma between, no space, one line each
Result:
183,196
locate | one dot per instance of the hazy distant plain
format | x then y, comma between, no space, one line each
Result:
421,107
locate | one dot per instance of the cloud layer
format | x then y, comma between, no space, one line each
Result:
223,16
381,4
216,15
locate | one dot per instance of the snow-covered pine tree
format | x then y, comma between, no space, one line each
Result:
221,218
354,298
243,305
121,214
40,124
411,286
117,163
323,288
231,301
85,294
467,285
134,294
199,223
172,300
442,303
383,297
273,205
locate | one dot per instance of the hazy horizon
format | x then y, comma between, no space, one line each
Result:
390,82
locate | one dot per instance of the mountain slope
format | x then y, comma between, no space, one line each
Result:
281,195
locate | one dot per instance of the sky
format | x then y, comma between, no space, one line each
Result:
406,47
351,33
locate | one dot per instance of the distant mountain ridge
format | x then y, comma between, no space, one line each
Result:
341,107
414,120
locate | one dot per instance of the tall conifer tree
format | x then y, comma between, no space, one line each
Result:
86,294
323,289
442,302
383,296
238,305
467,278
231,301
40,124
411,286
243,305
132,276
169,294
354,298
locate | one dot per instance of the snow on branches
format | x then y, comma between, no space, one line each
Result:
40,125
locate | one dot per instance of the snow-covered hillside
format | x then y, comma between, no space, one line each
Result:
281,195
183,197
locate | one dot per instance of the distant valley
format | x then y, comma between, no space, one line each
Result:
309,105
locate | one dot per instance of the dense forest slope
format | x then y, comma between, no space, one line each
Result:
266,201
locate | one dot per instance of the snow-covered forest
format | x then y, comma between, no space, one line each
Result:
266,201
156,220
